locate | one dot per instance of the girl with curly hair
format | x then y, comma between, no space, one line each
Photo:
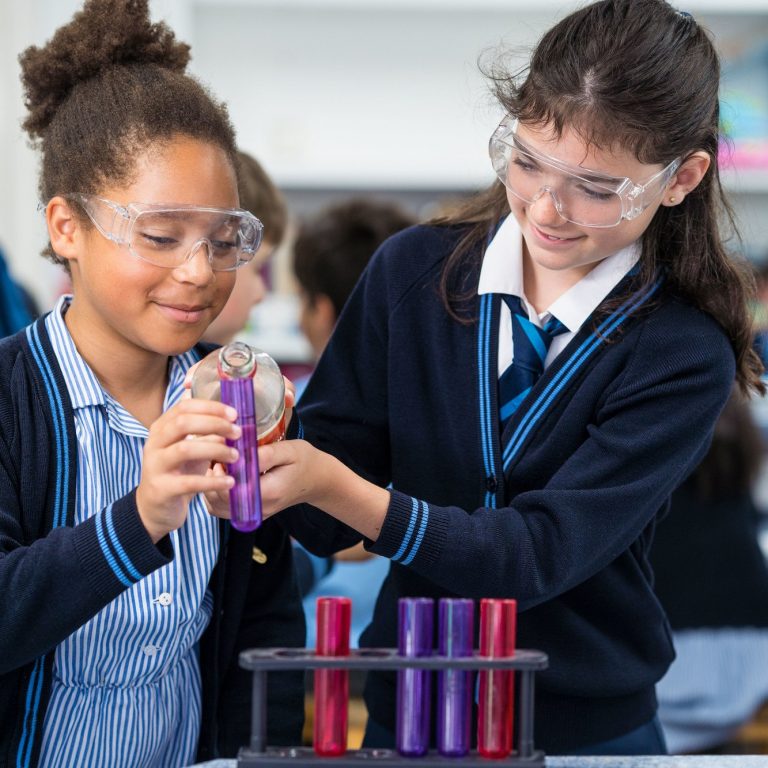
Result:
125,602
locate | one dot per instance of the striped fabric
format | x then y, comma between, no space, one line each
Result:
531,344
716,684
126,685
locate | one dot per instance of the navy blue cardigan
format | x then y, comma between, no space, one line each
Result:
55,576
559,511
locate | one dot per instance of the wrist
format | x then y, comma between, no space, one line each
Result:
154,530
351,499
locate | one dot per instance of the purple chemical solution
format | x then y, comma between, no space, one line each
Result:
236,370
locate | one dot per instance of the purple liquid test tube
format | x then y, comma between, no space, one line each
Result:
454,686
237,366
415,638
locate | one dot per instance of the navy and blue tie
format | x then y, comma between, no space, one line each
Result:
531,345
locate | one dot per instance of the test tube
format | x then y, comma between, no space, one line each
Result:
454,686
496,696
236,369
332,685
415,638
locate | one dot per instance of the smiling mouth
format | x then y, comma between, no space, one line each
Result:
184,313
185,308
553,238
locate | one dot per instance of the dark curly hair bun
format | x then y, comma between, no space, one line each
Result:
108,87
103,34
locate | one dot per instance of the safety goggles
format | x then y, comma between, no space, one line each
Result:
169,235
581,196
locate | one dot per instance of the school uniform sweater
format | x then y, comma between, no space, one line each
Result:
558,511
54,575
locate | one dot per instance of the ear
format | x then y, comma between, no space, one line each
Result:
325,314
64,228
686,178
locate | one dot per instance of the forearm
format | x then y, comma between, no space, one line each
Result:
350,498
327,505
53,586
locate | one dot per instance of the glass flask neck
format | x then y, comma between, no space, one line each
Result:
236,361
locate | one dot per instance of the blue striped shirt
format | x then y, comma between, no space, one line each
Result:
126,685
717,683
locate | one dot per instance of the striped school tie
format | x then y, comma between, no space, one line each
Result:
531,345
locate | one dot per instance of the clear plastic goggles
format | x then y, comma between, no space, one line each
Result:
169,235
581,196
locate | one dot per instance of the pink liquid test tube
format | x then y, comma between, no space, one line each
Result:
496,697
454,686
415,638
334,615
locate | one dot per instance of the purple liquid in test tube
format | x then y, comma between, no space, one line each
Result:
415,638
237,366
454,686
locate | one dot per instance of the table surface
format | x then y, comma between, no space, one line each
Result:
670,761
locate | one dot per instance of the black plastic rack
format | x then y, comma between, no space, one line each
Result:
263,660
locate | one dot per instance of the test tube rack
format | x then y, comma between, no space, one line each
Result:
263,660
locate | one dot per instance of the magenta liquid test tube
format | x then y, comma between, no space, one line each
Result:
334,615
237,367
415,638
496,698
454,686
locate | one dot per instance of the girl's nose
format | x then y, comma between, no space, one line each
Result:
547,207
197,268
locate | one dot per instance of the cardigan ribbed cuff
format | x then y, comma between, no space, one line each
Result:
115,549
413,531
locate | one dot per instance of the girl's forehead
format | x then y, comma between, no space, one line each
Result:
180,170
574,147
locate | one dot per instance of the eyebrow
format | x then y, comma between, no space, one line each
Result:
185,214
597,179
582,173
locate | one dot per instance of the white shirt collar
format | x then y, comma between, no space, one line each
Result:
502,272
502,269
82,385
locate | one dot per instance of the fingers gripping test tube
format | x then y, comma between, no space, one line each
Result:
496,697
236,368
454,686
334,615
415,638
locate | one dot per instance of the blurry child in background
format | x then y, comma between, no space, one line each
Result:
759,310
260,196
17,307
711,577
331,251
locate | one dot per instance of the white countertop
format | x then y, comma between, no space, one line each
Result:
669,761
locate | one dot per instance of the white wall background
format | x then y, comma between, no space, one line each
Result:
327,93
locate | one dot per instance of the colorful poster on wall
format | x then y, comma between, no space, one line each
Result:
744,102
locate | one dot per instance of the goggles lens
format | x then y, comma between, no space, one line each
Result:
168,236
580,196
